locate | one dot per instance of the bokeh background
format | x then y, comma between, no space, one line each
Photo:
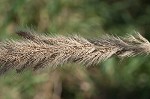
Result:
115,78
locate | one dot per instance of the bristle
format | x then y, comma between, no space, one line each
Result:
36,52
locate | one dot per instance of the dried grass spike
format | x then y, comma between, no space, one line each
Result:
36,51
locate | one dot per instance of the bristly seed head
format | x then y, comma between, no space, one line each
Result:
36,52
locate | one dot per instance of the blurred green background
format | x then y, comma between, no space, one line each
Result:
113,79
